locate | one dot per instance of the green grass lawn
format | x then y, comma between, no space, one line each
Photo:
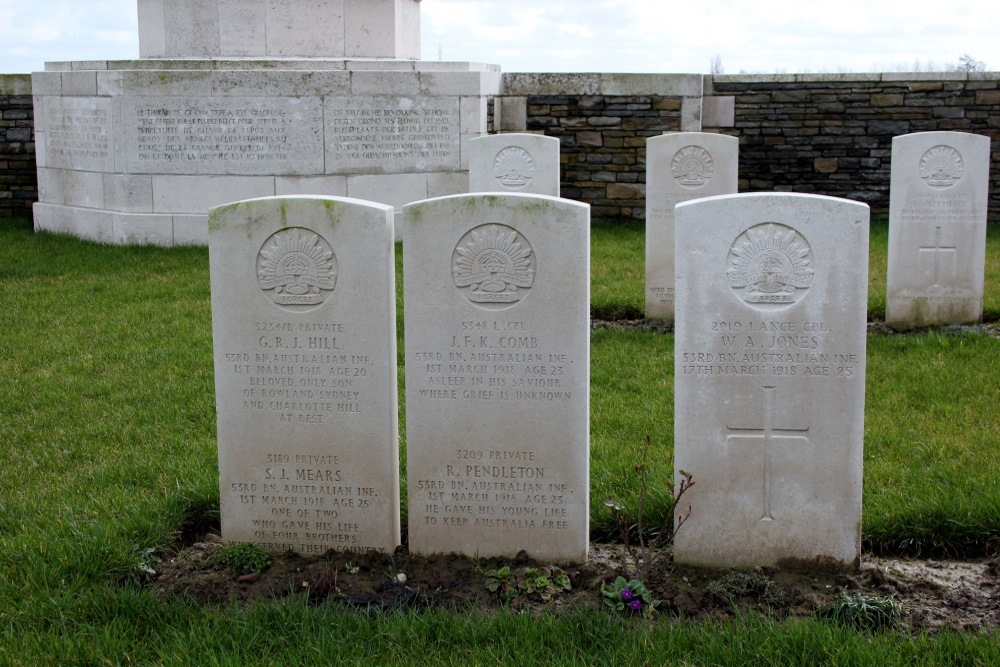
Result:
618,271
108,431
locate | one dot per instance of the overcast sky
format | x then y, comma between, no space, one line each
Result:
595,35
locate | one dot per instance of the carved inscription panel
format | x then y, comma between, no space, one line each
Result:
78,134
301,373
495,359
212,135
307,503
383,135
504,367
302,378
771,348
497,490
939,206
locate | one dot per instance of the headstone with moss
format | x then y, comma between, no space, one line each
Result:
497,375
303,320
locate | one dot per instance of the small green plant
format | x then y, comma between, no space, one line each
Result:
645,548
861,612
140,568
545,582
629,597
735,585
245,558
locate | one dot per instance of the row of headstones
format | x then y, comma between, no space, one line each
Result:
769,373
497,325
939,187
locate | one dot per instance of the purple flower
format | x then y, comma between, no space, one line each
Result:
635,605
627,594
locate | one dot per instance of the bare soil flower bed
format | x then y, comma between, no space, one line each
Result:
934,594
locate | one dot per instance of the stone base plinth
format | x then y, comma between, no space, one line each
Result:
138,151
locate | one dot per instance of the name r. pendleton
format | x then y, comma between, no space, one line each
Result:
505,472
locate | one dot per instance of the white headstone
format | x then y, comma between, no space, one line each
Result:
517,162
770,379
497,375
679,167
303,317
937,229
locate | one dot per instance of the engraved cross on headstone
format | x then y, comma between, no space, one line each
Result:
937,249
769,434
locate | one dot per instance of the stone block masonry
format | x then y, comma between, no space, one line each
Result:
18,180
602,122
832,134
602,157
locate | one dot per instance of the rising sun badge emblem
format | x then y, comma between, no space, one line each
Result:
493,266
298,267
770,266
514,168
941,167
692,167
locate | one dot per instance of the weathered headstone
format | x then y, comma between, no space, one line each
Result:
679,167
497,375
303,317
517,162
770,379
937,229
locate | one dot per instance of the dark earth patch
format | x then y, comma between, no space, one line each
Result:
933,594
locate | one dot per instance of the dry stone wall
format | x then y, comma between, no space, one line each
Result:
832,134
18,180
602,122
827,134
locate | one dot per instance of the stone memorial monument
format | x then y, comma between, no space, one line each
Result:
680,166
279,28
236,100
497,375
770,379
515,162
303,318
939,188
